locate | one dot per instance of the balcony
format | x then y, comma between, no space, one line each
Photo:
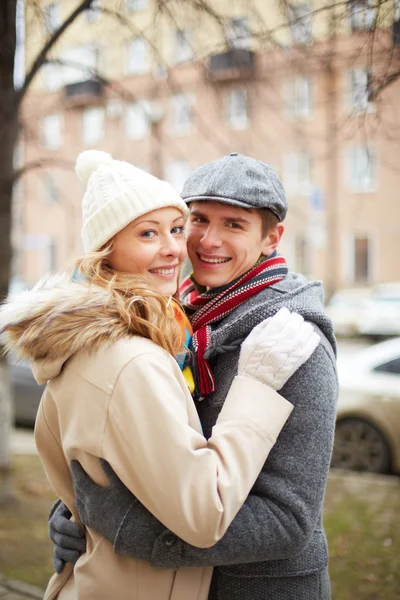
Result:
236,63
84,93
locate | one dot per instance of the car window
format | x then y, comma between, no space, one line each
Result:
393,366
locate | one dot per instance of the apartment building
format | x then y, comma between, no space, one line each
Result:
292,83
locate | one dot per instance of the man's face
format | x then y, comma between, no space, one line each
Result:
225,241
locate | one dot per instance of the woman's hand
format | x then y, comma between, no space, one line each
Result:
276,348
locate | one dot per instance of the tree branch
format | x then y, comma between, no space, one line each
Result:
41,57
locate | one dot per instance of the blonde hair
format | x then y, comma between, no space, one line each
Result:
145,311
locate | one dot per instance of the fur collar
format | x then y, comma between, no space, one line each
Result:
57,318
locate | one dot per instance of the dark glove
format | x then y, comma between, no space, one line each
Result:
67,536
107,510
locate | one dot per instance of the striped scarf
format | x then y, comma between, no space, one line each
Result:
215,304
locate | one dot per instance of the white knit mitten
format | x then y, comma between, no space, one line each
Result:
276,348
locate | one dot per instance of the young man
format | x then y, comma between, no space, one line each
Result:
276,546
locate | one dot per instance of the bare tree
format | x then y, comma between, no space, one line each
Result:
10,106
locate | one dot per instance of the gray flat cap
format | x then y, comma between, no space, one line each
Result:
238,180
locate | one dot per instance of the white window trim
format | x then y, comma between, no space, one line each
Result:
88,139
138,70
293,96
181,129
52,146
371,189
348,256
352,107
241,122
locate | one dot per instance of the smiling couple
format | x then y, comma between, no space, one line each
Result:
275,547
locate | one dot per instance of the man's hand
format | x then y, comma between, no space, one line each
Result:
67,537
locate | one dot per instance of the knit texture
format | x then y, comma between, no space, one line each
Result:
117,193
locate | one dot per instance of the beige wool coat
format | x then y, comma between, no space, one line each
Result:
123,398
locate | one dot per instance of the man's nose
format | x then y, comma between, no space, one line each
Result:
211,238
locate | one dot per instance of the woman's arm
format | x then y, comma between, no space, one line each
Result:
193,486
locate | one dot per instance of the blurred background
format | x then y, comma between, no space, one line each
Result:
310,87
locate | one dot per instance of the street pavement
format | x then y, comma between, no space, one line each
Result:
17,590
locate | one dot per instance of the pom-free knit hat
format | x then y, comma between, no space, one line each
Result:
240,181
116,194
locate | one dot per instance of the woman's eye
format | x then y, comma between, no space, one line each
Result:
177,230
148,234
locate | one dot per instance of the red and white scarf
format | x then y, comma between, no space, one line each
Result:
213,305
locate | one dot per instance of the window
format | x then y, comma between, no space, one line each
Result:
362,258
361,169
181,118
302,255
300,96
393,366
51,18
50,256
50,188
93,13
182,46
137,121
236,108
296,173
51,133
138,56
359,89
92,125
136,5
362,14
177,173
396,10
52,73
237,32
80,63
300,23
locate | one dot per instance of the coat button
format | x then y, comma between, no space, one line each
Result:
170,539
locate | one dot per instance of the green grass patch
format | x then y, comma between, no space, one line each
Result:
361,520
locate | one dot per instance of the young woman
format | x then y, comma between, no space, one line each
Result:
107,340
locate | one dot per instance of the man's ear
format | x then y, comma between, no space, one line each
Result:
272,239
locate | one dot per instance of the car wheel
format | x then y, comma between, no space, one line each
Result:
360,446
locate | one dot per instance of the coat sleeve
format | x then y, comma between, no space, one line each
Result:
192,485
280,514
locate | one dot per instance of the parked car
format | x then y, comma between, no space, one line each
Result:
345,308
367,434
381,314
27,393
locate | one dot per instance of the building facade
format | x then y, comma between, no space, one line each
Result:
293,84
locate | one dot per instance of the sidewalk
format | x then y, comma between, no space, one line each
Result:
16,590
22,442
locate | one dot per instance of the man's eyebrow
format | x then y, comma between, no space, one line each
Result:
198,213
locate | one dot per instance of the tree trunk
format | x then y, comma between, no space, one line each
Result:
8,138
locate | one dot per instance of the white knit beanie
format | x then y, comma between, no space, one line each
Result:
116,194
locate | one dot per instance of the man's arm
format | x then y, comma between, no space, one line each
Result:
280,513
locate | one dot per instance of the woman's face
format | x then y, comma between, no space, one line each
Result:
154,244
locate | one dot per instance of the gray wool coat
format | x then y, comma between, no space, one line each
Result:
275,549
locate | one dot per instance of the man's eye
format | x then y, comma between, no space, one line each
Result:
198,220
234,225
148,234
177,230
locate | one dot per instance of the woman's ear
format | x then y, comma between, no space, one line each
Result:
272,239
